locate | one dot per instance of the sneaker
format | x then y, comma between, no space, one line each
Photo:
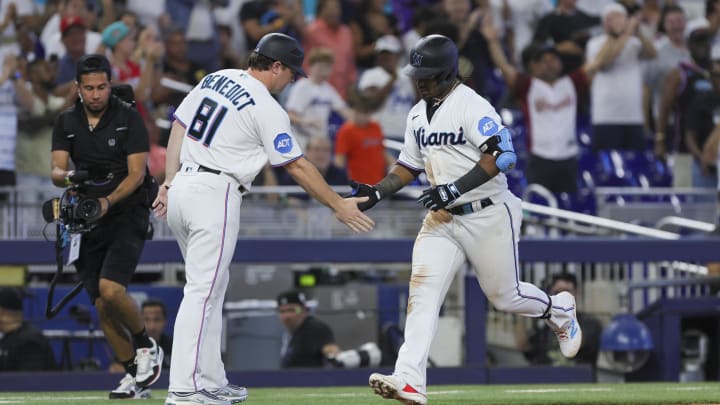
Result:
569,335
149,364
199,397
233,393
128,389
390,387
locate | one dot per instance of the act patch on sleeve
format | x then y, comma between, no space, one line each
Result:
283,143
487,126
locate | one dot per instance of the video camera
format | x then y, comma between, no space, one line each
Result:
73,211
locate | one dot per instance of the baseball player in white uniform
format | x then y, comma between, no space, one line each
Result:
224,132
457,138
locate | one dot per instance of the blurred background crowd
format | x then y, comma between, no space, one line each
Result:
575,78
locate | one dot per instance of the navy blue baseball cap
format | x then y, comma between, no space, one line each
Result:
11,298
292,297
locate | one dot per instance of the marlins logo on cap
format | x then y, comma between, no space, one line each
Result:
416,59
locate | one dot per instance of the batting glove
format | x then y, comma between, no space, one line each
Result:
439,197
365,190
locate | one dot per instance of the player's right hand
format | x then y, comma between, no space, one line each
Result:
159,206
348,212
364,190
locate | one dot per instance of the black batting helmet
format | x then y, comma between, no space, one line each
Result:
433,56
284,49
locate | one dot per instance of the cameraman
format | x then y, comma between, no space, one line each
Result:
310,342
108,144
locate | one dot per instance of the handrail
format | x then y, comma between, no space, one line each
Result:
393,144
604,222
529,207
542,191
685,223
655,191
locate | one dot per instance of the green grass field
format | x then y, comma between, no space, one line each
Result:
636,394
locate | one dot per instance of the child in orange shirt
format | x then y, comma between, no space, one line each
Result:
359,144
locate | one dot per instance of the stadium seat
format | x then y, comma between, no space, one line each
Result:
611,170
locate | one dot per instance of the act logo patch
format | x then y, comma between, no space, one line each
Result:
283,143
487,127
111,142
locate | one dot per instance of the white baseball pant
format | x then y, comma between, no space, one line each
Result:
488,240
204,216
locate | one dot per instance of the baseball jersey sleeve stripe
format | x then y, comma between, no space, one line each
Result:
288,161
409,166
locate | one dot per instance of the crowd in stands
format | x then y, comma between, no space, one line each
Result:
633,75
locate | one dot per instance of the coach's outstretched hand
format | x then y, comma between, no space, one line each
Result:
365,190
347,211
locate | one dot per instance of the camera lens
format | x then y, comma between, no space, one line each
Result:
88,208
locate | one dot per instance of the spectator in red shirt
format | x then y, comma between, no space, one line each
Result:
359,144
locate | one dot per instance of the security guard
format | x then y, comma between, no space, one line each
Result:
108,144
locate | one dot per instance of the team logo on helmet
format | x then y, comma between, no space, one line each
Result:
416,59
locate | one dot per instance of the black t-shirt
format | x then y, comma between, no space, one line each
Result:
477,53
695,84
103,151
566,27
261,11
305,347
192,75
26,349
702,116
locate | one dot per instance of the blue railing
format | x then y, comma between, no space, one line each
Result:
580,249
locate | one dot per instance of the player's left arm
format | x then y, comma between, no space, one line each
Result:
497,155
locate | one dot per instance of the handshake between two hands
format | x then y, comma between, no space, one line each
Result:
433,198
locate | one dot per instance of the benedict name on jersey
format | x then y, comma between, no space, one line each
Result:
229,89
438,138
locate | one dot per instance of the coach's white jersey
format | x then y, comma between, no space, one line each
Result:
234,125
447,147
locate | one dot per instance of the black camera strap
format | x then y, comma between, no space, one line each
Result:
51,311
51,213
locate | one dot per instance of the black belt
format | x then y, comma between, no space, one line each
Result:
202,168
468,207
